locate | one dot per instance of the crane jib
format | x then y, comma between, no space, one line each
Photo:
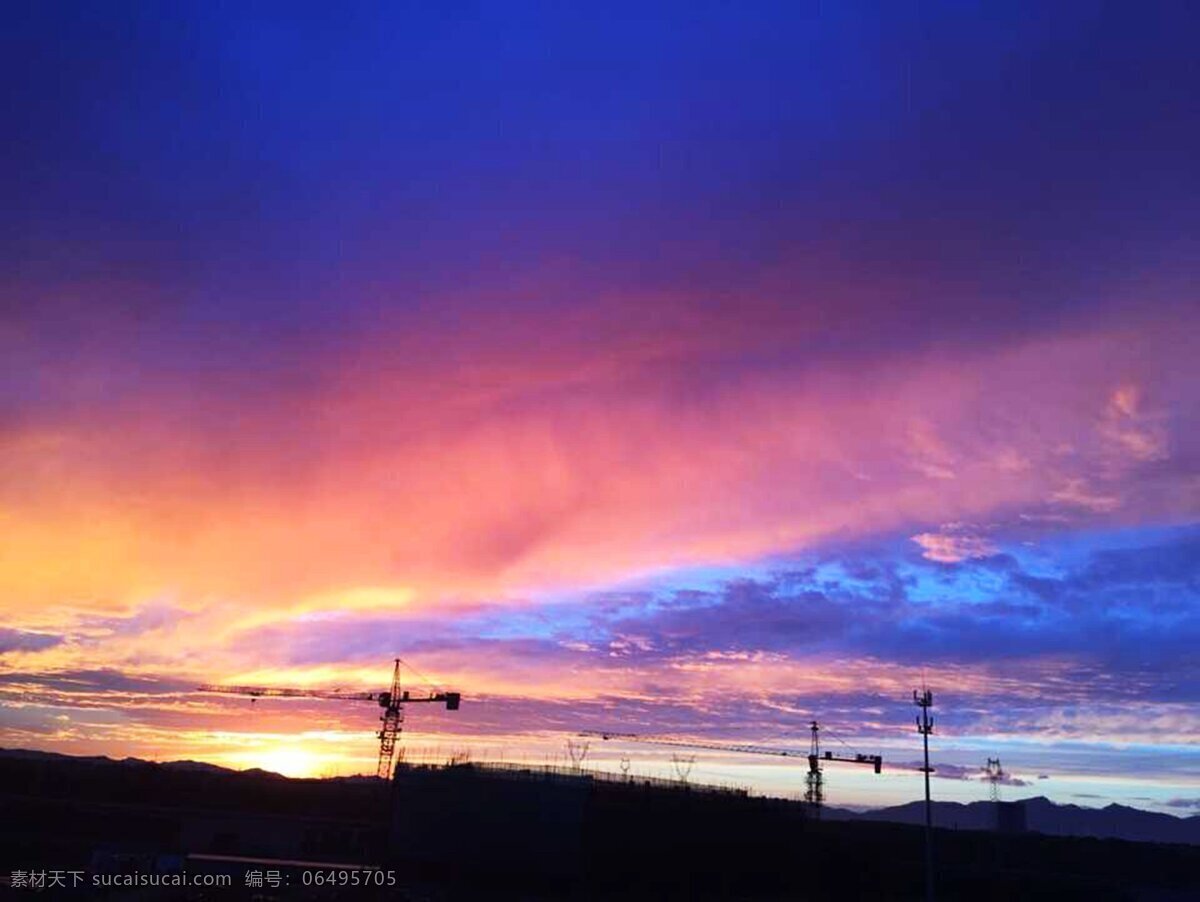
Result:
452,699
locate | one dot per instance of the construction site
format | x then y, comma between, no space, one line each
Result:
460,829
471,831
394,700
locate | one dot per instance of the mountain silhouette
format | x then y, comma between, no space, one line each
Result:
1044,816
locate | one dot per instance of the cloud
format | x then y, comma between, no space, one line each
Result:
151,617
947,771
23,640
572,465
1140,434
1077,493
90,683
1010,780
1081,654
951,549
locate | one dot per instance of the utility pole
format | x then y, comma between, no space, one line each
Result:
924,700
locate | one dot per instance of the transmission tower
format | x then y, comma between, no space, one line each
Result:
683,766
994,774
625,765
577,752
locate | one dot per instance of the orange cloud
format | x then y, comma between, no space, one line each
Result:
448,485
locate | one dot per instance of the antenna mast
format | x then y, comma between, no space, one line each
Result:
924,701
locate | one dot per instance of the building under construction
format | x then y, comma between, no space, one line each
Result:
503,831
506,822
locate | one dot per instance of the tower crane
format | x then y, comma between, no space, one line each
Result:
814,792
391,701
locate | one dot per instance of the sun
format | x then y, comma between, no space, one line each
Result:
289,760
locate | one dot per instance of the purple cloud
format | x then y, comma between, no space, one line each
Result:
24,640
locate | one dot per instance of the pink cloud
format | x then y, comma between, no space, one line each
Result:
577,463
950,548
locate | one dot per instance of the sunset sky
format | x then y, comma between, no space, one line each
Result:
696,370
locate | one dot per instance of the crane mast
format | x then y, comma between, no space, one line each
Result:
391,701
389,725
814,793
814,780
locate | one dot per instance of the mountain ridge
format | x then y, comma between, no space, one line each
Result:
1042,815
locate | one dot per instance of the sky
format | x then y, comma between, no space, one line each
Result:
696,369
